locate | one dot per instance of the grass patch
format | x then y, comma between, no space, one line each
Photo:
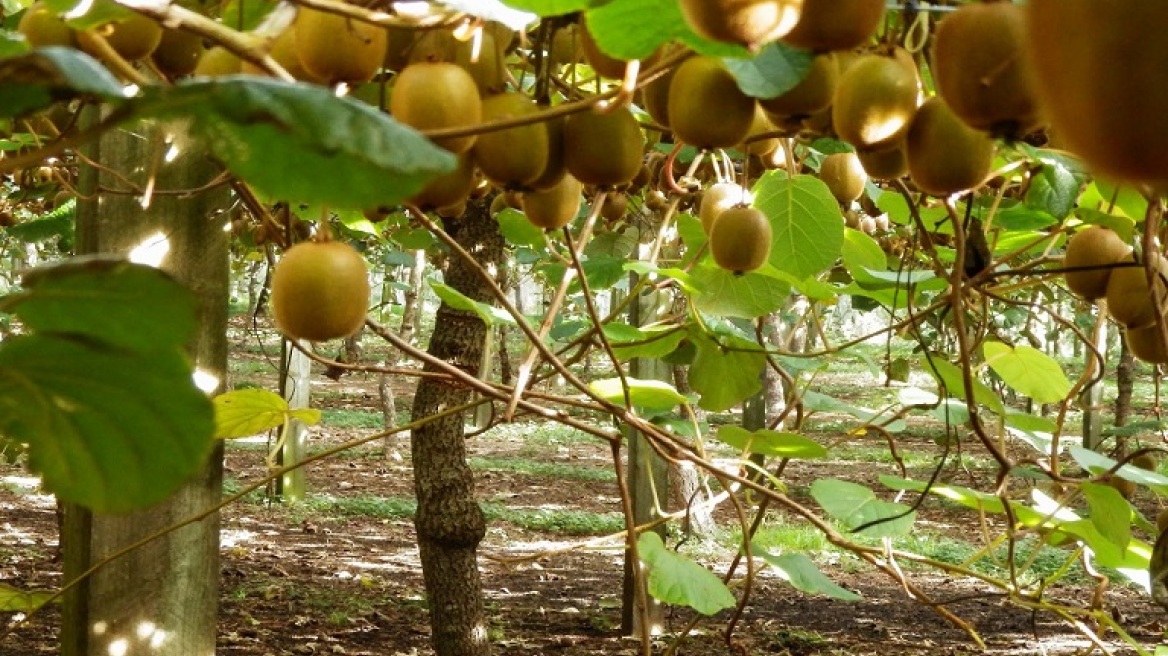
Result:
543,469
347,418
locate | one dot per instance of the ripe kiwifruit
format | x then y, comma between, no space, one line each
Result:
614,207
718,198
888,164
946,156
1146,461
41,26
435,96
556,167
283,50
980,67
218,61
655,98
602,63
450,188
320,291
740,239
565,47
874,102
1145,344
1162,520
178,52
835,24
603,148
481,58
812,95
1123,486
1094,249
554,207
338,48
1129,299
750,23
844,175
1098,73
517,156
706,107
752,144
133,38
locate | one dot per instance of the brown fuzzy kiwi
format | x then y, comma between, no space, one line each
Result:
41,27
285,53
1123,486
565,48
888,164
338,48
752,144
740,239
1091,252
448,189
517,156
946,156
844,176
655,95
1098,74
178,52
718,198
482,60
706,107
980,68
750,23
826,25
554,207
812,95
602,63
1162,520
133,38
1129,299
435,96
614,207
603,149
218,61
874,102
320,291
1146,461
1146,345
556,167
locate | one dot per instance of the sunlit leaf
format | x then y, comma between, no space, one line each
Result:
862,254
651,395
656,342
15,600
490,314
746,296
1029,371
950,378
1110,513
801,572
856,505
245,412
806,221
771,443
675,579
725,375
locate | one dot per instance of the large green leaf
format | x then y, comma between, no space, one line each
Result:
15,600
1029,371
856,505
56,224
109,428
675,579
302,142
801,572
726,375
552,7
633,29
490,314
518,230
863,255
132,306
651,395
806,220
950,379
746,296
653,342
1110,513
1055,188
775,70
44,76
245,412
771,443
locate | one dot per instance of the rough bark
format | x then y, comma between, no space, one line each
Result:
1124,383
161,599
449,522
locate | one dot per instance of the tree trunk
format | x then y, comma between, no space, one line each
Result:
685,480
1124,383
162,599
411,311
449,522
388,415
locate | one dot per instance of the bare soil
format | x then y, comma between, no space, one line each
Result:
323,579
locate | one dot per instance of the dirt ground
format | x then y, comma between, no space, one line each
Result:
319,579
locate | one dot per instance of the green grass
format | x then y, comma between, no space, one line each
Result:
555,470
347,418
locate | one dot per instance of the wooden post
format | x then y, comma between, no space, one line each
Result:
296,388
1092,397
162,599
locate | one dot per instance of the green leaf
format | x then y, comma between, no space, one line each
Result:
862,254
302,142
132,306
613,244
801,572
654,342
684,280
245,15
1110,513
771,443
675,579
552,7
1023,217
816,402
651,395
856,505
44,76
413,239
745,296
1029,371
806,221
518,230
603,271
15,600
1055,188
57,224
633,29
949,378
1127,199
724,378
1097,463
490,314
108,428
246,412
775,70
93,14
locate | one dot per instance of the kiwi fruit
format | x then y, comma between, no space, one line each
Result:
218,61
811,96
554,207
517,156
178,52
946,156
888,164
614,207
874,102
718,198
42,27
133,38
1091,252
1146,461
337,48
980,67
752,144
435,96
320,291
706,107
1097,73
283,50
1123,486
749,23
1129,299
597,59
1162,520
844,176
1146,345
655,98
482,60
565,48
740,239
603,148
450,188
556,166
835,24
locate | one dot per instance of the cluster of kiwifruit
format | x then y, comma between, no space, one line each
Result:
1101,265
